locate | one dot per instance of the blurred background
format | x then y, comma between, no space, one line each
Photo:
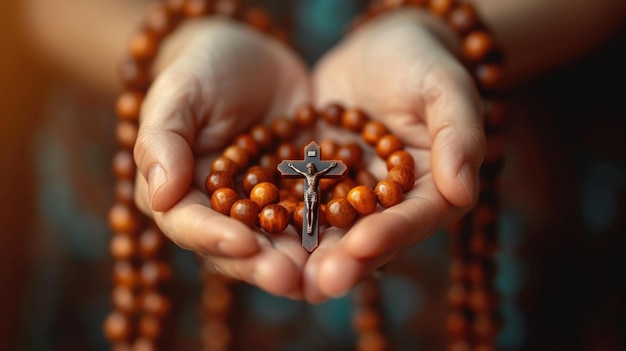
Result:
562,231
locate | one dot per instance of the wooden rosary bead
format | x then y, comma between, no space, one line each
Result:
123,219
238,155
373,131
306,116
495,113
121,346
480,300
246,142
457,296
128,105
223,199
123,299
457,271
150,243
371,341
354,119
332,114
269,162
365,177
283,128
124,274
143,46
297,189
117,327
400,158
362,199
126,134
488,75
342,188
388,193
197,8
227,8
215,334
420,3
339,213
225,164
264,194
150,327
122,247
263,136
274,218
457,325
154,273
253,176
387,145
134,75
463,18
145,344
246,211
287,151
160,20
290,205
441,7
219,179
476,45
366,319
484,326
176,6
351,154
123,165
125,191
460,345
258,19
154,303
402,175
216,299
328,150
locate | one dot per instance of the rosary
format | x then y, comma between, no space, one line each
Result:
271,184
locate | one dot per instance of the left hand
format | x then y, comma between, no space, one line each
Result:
398,69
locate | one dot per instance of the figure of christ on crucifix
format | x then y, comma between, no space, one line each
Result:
312,168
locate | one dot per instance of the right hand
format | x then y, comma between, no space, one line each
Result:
223,78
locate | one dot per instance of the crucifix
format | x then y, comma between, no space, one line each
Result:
312,168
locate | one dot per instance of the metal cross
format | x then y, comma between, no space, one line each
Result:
312,168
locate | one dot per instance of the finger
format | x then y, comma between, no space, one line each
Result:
276,268
193,225
329,239
453,114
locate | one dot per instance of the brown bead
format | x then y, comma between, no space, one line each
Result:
218,179
459,345
197,8
124,299
457,296
287,151
154,273
351,154
155,304
457,325
366,319
342,188
476,45
480,300
225,164
123,219
274,218
128,105
238,155
227,8
373,131
339,213
400,158
371,341
126,134
306,116
421,3
363,199
223,199
485,327
122,247
143,46
121,346
283,128
217,300
263,136
246,211
125,191
333,114
463,18
402,175
441,7
290,205
124,274
387,145
176,6
150,327
388,193
392,4
134,75
124,165
484,214
215,334
117,327
160,20
495,113
298,216
328,149
258,19
281,36
322,215
457,271
264,194
253,176
150,242
297,189
365,177
354,119
269,162
246,142
327,183
488,75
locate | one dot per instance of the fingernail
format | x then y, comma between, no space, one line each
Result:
156,178
466,174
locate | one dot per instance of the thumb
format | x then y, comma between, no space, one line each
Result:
163,149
